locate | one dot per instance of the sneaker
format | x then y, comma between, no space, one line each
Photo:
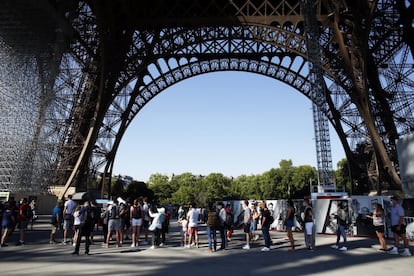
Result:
310,248
247,247
406,252
52,242
187,246
334,246
133,245
152,247
265,249
393,251
256,237
343,248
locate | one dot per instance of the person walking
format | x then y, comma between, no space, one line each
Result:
341,225
398,228
22,220
8,221
56,222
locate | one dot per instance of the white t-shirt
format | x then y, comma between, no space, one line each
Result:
70,206
193,215
76,218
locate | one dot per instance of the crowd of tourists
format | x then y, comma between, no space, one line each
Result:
16,215
138,223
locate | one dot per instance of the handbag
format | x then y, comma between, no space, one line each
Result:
152,227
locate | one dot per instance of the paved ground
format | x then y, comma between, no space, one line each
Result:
38,257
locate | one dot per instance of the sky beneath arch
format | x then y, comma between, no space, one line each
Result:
234,123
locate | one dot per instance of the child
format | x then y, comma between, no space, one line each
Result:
184,231
76,223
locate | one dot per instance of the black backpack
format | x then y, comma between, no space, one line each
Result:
29,212
229,219
271,219
114,212
136,212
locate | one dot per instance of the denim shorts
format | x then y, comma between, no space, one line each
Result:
289,223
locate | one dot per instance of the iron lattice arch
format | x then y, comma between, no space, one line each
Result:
115,56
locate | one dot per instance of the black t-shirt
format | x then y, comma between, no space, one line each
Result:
308,214
266,214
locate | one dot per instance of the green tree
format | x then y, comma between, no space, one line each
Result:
286,183
216,187
118,188
301,179
162,188
269,184
343,181
187,191
137,189
248,186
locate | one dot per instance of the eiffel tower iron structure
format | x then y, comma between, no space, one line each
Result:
74,74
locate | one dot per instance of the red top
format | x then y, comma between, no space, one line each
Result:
22,212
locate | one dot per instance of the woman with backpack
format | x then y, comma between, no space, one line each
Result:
136,214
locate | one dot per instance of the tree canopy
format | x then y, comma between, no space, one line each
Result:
286,181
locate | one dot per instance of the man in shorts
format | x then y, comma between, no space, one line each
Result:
68,210
398,227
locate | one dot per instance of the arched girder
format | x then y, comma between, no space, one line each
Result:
150,90
213,42
270,51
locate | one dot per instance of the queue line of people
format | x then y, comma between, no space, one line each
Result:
145,219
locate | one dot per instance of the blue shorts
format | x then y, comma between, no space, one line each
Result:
289,223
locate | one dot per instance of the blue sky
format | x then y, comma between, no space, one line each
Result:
232,123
